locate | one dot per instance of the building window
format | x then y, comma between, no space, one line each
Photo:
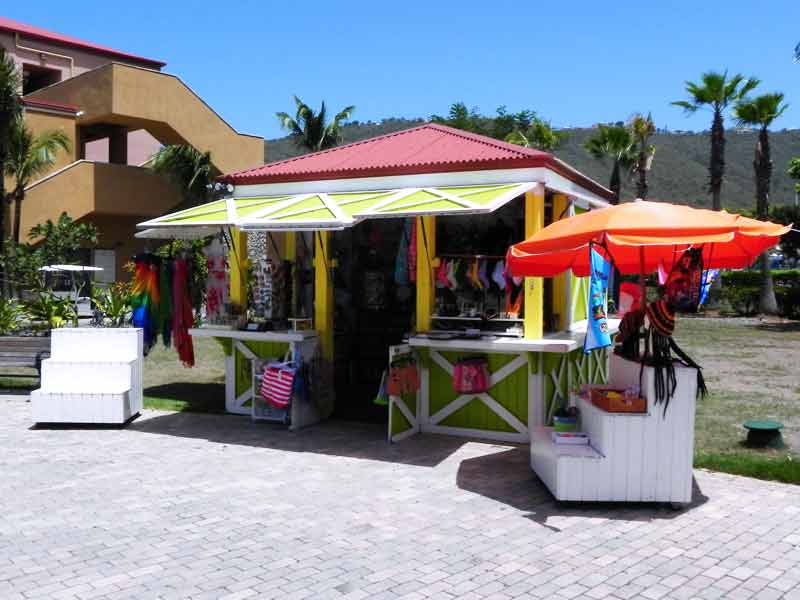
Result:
35,77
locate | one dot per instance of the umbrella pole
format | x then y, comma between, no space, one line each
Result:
642,279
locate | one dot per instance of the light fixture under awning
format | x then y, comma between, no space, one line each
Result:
333,211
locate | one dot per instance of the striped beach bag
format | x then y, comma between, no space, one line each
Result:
277,383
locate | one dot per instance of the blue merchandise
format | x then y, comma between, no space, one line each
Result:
597,335
708,278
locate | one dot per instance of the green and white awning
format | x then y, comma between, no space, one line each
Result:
301,212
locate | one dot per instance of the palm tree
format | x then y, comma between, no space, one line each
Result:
310,130
539,134
718,92
761,112
643,128
794,172
190,169
29,156
615,142
10,110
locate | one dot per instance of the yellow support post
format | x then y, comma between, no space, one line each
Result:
426,254
560,282
289,246
237,258
534,286
323,292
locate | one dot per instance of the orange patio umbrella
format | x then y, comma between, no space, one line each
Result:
638,236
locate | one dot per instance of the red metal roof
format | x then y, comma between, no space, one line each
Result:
29,31
429,148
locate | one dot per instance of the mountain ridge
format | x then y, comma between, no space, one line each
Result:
680,167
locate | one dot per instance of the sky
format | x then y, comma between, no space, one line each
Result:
575,63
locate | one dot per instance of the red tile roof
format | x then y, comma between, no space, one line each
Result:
429,148
29,31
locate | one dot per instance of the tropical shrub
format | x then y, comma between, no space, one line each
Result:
52,310
113,304
741,290
10,316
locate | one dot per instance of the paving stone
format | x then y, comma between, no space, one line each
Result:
209,506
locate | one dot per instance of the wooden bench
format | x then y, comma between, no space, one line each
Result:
23,352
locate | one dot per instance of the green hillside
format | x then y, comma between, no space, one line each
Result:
679,171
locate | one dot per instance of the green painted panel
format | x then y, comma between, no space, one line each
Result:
356,207
245,210
419,196
220,215
311,203
461,191
434,205
314,215
199,210
511,393
484,198
579,308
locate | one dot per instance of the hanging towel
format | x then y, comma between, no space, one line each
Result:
145,298
165,307
597,335
401,260
182,315
499,274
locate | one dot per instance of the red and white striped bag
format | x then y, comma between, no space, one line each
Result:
277,383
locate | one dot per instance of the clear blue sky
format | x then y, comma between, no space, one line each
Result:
575,63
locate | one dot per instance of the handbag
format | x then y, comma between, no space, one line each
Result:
277,383
471,375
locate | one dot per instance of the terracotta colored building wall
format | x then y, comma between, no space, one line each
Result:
141,145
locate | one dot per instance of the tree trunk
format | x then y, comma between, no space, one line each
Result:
615,184
19,196
762,166
641,183
716,167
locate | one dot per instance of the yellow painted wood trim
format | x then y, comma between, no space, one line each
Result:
289,246
323,292
237,259
533,326
426,292
560,282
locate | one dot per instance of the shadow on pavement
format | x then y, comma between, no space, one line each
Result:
507,477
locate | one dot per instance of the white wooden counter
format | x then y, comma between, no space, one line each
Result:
560,342
254,336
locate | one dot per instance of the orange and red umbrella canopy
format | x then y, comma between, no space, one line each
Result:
638,236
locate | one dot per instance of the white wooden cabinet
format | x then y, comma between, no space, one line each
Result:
633,457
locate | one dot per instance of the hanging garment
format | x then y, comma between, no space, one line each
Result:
460,272
472,275
412,253
471,375
597,335
401,260
216,283
708,279
145,298
441,276
482,275
499,274
451,275
684,283
183,318
630,296
165,306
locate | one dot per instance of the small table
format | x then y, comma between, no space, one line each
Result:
764,433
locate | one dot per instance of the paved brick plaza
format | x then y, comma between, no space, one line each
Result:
204,506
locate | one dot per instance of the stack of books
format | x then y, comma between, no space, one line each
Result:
570,438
